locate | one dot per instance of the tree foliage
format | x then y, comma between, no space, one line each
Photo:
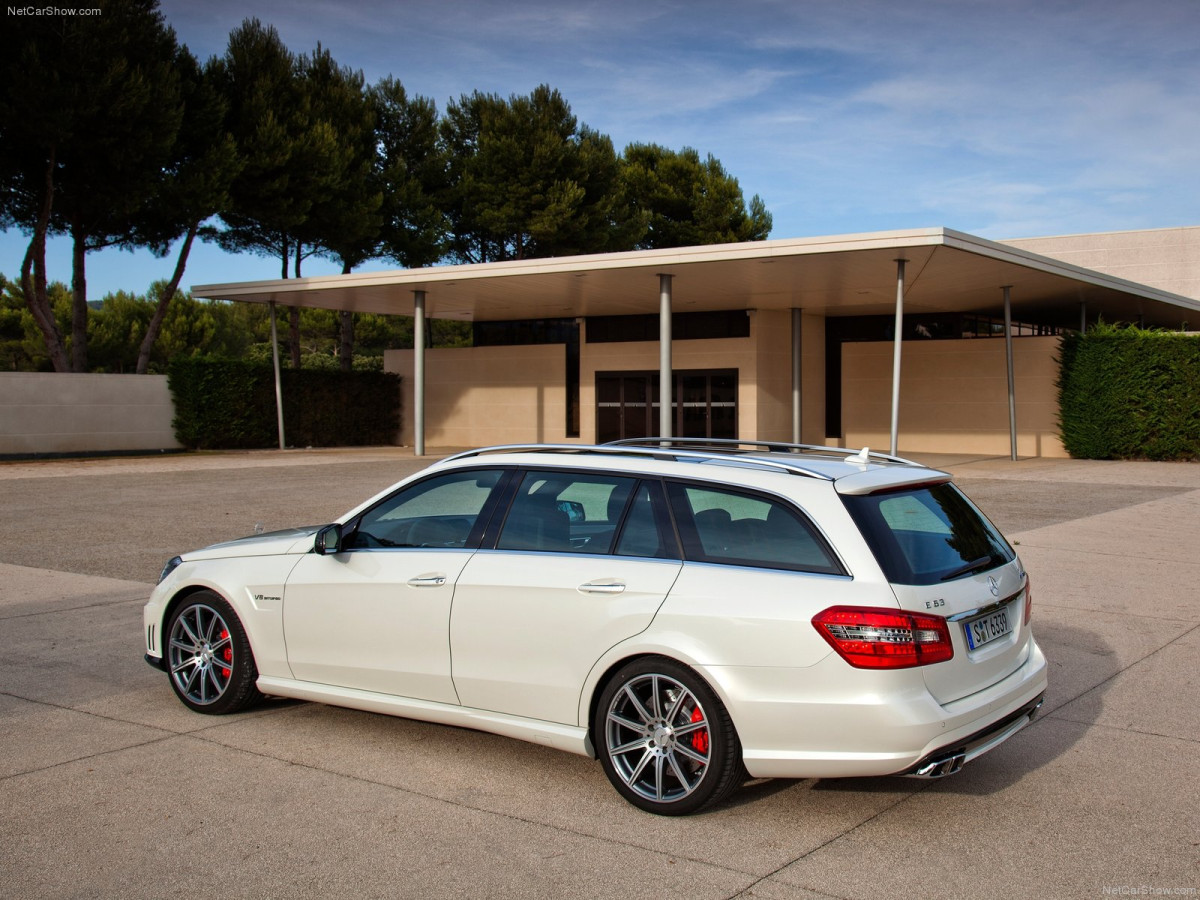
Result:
685,201
91,111
113,134
527,180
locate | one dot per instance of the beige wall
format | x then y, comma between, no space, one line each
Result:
954,396
1165,258
772,369
475,396
636,356
763,361
494,395
43,412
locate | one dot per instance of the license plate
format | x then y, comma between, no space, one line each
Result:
987,628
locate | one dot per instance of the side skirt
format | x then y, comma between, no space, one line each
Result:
551,734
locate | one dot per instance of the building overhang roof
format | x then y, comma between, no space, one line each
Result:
842,275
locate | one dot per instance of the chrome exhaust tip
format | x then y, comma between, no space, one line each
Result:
942,766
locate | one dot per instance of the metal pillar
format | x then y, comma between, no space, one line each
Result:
419,373
797,377
897,341
665,409
1082,316
278,380
1008,354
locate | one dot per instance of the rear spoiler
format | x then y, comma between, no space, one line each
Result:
883,480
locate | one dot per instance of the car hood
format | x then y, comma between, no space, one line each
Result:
288,540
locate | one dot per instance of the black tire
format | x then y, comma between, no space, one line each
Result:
665,740
209,662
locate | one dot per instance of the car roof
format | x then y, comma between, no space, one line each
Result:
850,471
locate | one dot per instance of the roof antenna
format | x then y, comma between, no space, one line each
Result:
861,458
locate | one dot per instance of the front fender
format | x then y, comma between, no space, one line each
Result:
253,586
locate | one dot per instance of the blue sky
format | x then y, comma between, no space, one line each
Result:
1003,118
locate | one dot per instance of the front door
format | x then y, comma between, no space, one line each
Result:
376,616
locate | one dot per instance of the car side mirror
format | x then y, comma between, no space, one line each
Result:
328,540
573,509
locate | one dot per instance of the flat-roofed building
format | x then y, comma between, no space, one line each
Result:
786,340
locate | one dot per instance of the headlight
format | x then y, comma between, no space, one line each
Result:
172,564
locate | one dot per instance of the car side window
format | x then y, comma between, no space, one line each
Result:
644,533
741,529
439,512
565,512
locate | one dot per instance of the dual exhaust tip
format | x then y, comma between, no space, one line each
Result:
941,766
948,761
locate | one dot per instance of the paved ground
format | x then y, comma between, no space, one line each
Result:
110,788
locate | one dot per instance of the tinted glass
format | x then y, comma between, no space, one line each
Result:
928,535
565,512
640,535
436,512
749,530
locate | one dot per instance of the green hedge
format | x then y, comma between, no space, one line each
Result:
1130,393
230,405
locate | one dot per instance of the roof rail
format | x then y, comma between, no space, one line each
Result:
733,445
654,449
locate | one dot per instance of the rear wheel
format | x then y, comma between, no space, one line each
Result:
208,656
665,740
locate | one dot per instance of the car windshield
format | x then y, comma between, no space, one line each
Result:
928,535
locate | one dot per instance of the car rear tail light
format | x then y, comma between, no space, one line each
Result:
870,638
1028,599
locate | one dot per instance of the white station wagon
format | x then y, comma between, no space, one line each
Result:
688,611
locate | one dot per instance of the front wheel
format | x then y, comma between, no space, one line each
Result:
208,656
666,742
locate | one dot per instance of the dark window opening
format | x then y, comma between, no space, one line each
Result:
694,326
703,404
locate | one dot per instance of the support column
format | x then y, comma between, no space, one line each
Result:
797,377
278,380
897,342
1008,354
665,410
1082,316
418,373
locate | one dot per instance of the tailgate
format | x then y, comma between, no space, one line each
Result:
985,613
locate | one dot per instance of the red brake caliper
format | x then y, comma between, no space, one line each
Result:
228,655
700,736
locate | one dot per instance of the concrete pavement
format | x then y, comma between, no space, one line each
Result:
111,788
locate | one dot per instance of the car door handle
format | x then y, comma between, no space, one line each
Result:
433,580
602,587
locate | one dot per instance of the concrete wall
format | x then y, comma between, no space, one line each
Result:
1165,258
954,396
44,412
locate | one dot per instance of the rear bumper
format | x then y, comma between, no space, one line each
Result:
949,759
830,721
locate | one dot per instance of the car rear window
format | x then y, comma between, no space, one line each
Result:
928,535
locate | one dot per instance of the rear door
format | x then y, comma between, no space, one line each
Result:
943,557
581,563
